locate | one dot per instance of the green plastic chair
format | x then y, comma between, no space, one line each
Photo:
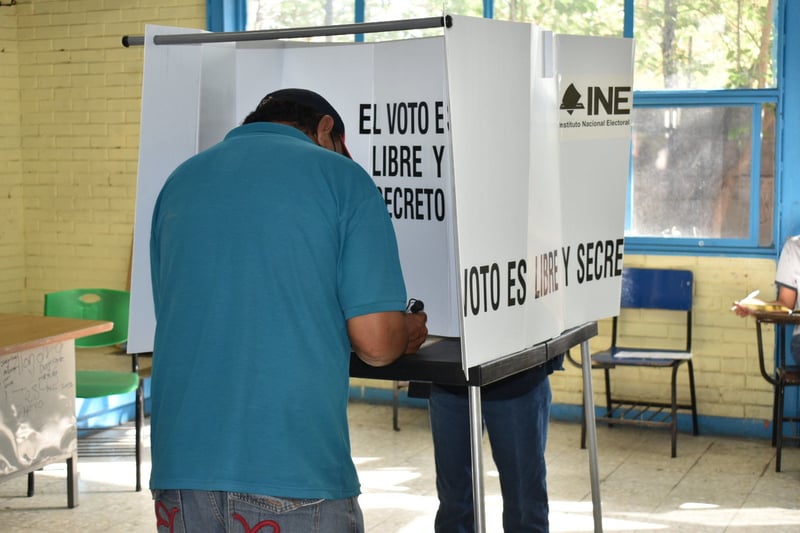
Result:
110,305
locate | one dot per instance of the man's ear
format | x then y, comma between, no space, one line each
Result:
324,127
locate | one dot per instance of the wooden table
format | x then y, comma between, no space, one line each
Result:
37,394
780,321
783,374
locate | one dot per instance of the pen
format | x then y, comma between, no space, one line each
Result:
414,306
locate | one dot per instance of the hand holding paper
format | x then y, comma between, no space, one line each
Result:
750,304
750,298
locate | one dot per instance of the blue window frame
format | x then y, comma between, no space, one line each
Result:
226,15
723,129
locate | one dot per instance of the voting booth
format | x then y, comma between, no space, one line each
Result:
500,149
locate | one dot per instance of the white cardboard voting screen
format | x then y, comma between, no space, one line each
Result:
506,185
464,137
595,100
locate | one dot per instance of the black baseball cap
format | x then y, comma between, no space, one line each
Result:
314,101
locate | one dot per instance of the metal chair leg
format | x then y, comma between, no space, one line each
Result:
779,426
693,395
673,427
609,400
138,423
775,400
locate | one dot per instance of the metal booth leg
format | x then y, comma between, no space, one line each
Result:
476,436
591,433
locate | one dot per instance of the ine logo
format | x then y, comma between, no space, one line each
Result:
609,100
571,99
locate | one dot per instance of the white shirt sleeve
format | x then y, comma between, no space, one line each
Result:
788,272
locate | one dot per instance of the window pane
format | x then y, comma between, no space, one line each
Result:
767,179
382,10
582,17
272,14
691,172
278,14
714,44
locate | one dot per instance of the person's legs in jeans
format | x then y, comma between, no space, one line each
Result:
187,511
449,416
517,430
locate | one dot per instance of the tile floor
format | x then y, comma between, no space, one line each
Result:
714,485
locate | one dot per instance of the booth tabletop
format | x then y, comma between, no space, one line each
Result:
24,332
537,355
571,338
440,361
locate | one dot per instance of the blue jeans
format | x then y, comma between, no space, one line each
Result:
517,430
194,511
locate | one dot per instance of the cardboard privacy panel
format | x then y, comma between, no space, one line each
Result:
500,149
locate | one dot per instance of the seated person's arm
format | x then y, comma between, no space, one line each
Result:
380,338
787,296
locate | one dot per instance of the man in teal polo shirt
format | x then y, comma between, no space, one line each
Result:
272,257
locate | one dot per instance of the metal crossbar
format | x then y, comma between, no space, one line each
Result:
292,33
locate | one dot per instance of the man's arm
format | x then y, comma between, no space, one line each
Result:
787,296
379,339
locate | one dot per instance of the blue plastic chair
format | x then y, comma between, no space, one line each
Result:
646,290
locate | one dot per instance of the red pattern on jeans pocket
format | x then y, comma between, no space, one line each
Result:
165,517
258,527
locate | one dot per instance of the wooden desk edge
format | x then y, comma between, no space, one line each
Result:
25,332
773,317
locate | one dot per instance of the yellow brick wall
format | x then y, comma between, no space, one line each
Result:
12,262
727,379
79,102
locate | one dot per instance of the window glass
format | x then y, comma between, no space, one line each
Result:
279,14
692,172
272,14
381,10
715,44
582,17
766,205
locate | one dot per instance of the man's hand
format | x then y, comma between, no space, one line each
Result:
417,330
380,338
